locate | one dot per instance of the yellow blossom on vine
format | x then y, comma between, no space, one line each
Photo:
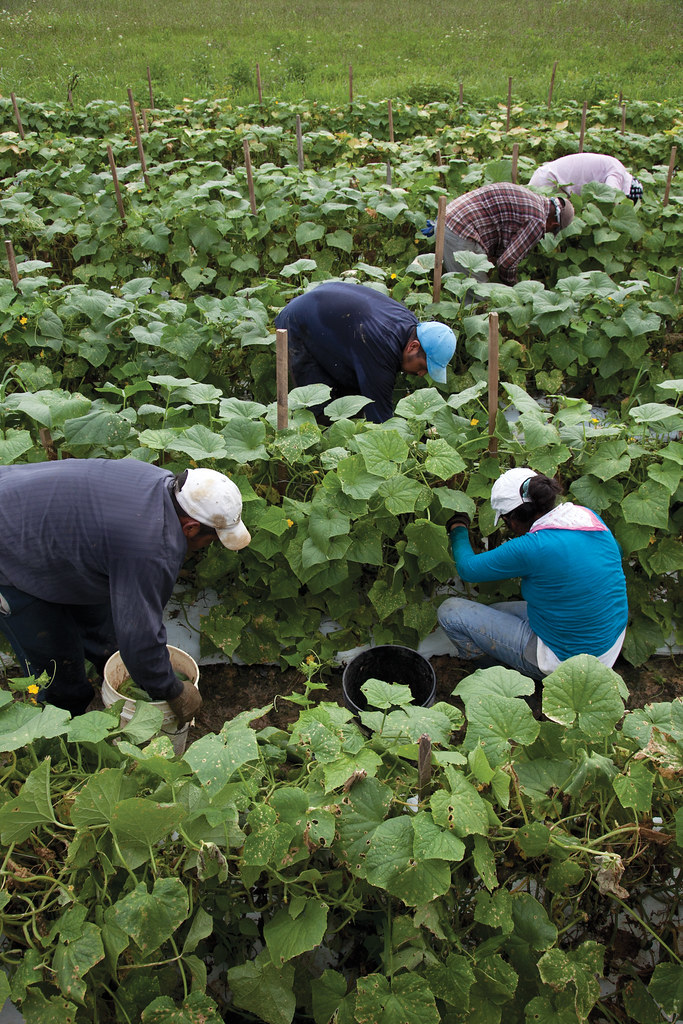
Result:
474,421
310,658
33,688
316,471
393,277
290,522
594,419
23,320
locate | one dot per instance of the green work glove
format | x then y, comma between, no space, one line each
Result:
186,704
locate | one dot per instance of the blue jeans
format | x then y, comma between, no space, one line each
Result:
57,639
491,634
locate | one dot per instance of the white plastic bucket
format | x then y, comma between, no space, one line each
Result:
116,673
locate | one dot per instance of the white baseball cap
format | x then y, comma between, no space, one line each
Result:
506,493
214,500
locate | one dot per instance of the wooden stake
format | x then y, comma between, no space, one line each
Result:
250,177
48,444
507,126
258,85
672,163
299,143
282,371
552,83
493,382
17,115
460,101
424,764
621,95
678,281
70,98
143,114
391,121
388,173
350,84
138,137
623,118
583,125
117,190
282,383
515,157
14,276
151,93
438,247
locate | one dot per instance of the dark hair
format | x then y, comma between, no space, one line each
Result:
540,495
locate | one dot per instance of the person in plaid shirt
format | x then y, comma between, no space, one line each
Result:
503,222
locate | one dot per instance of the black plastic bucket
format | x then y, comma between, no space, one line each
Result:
391,664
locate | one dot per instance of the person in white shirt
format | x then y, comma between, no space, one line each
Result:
571,173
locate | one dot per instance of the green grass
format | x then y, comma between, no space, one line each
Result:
410,49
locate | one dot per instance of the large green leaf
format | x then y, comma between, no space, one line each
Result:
260,987
215,758
403,998
584,692
31,809
138,824
295,930
151,918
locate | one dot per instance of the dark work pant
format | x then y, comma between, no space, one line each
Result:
57,639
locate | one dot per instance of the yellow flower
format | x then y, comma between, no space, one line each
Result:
474,421
290,522
393,277
33,688
310,658
594,420
23,320
316,471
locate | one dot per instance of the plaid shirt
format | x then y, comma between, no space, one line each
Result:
506,220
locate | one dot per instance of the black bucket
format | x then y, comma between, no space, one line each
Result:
391,664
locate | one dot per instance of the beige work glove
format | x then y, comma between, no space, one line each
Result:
186,704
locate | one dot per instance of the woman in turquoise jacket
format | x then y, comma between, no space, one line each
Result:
572,582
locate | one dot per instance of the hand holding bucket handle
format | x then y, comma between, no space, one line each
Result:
186,704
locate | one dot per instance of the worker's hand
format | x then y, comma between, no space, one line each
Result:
186,704
458,519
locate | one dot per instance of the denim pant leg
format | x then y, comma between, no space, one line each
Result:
48,637
492,634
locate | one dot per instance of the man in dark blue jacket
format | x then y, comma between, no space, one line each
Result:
356,340
90,550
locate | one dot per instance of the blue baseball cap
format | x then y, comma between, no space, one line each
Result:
438,342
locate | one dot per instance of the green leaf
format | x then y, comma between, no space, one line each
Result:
403,999
649,505
462,809
15,444
200,444
340,239
74,957
442,460
635,789
264,989
326,995
532,924
137,824
577,968
216,758
309,231
244,440
666,987
584,692
382,451
287,936
150,919
31,809
196,1009
98,428
21,724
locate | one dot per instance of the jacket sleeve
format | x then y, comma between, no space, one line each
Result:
511,560
520,246
139,593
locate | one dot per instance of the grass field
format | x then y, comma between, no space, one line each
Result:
412,50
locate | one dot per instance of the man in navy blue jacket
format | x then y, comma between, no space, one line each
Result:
90,550
356,340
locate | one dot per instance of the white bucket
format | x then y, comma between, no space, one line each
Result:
116,673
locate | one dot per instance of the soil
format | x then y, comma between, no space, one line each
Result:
228,690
